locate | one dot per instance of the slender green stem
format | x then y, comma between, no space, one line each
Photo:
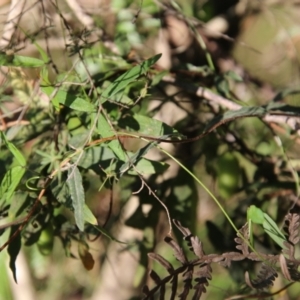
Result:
202,185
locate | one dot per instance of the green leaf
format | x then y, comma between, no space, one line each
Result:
122,98
5,287
105,130
19,61
136,157
145,125
17,205
13,250
46,240
77,195
14,151
60,190
92,156
273,231
70,100
158,77
147,167
222,85
43,53
89,216
234,76
62,193
255,214
10,182
122,81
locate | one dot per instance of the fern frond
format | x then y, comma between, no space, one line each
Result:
161,261
229,257
241,243
178,252
194,243
289,268
265,278
174,287
188,277
203,275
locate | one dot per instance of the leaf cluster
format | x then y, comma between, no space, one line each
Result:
81,140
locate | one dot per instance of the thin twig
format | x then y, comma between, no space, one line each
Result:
86,20
160,201
13,18
292,121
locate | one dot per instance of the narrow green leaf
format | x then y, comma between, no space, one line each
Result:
286,92
145,125
19,61
108,235
273,231
250,232
10,182
246,111
14,151
70,100
122,81
43,53
13,250
63,194
285,109
89,216
136,157
77,194
158,77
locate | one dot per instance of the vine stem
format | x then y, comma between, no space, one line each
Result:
208,192
203,186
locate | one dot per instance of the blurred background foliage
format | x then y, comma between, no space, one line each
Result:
246,51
